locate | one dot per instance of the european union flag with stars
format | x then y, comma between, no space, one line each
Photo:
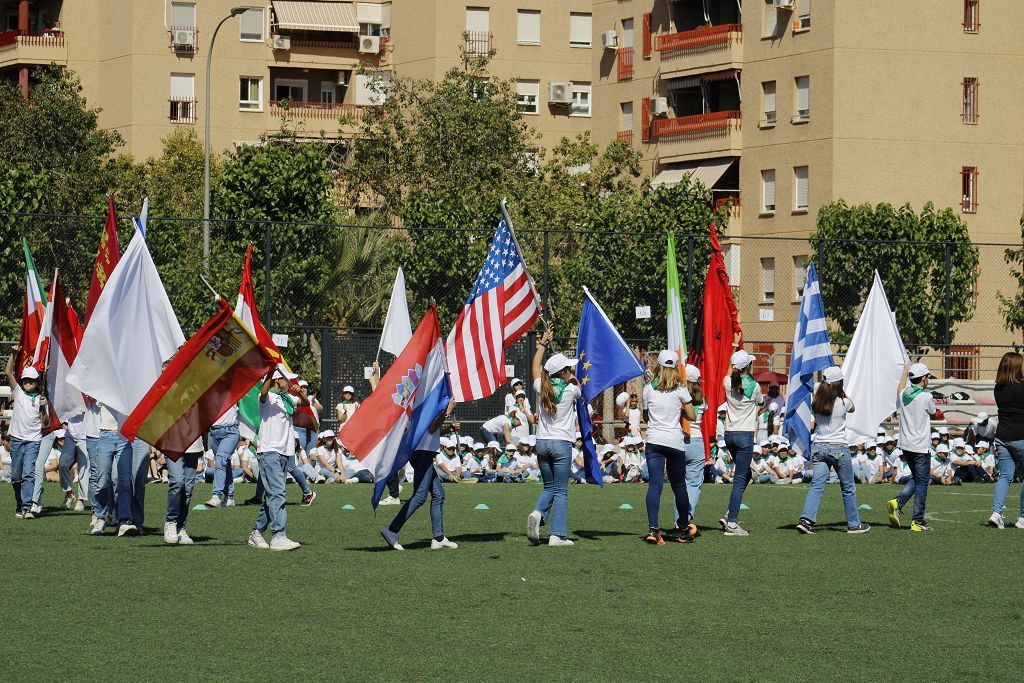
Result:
605,360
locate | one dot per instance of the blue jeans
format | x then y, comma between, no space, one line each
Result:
694,472
741,445
554,458
1008,453
424,480
823,457
272,471
298,475
657,457
921,475
490,436
181,477
223,442
23,468
45,446
74,450
132,473
101,460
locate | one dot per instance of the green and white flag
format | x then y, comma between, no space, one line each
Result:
676,334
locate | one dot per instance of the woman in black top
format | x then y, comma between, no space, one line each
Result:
1009,443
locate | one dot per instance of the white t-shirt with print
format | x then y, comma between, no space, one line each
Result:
915,423
562,425
348,409
277,434
741,415
664,412
26,423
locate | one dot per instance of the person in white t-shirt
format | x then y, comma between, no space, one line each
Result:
743,400
634,415
577,469
325,456
916,409
346,407
830,407
666,401
556,429
512,397
630,460
986,459
942,467
694,453
500,428
474,463
512,469
276,447
224,436
30,417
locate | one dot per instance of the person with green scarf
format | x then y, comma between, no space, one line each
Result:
743,401
276,449
28,420
916,408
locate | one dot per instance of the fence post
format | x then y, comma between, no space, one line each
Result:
547,254
326,365
949,297
689,290
267,319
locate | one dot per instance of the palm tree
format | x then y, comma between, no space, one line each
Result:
360,284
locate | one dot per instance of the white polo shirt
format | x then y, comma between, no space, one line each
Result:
915,421
277,435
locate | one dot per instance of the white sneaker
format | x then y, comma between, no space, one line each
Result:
442,544
1020,523
230,503
18,514
92,522
256,540
80,505
37,509
97,527
69,498
996,521
533,527
184,538
558,540
214,502
28,514
282,542
127,529
734,529
391,538
352,480
390,500
171,532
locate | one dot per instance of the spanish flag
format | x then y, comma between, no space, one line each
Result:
209,374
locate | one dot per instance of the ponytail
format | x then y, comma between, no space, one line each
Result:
547,394
736,379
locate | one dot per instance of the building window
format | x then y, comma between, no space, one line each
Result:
250,93
970,113
183,98
803,98
972,16
369,29
290,89
528,27
969,183
626,121
768,191
799,276
581,29
800,188
328,92
478,30
771,19
732,257
580,99
251,25
372,89
627,33
803,20
528,97
183,16
767,280
768,96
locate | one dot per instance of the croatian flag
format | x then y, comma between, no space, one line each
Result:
389,425
812,352
500,309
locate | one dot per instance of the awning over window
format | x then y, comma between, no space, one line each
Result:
707,171
720,76
316,16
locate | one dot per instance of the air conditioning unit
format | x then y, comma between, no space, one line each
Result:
343,77
559,92
281,42
609,41
369,45
659,106
784,4
184,39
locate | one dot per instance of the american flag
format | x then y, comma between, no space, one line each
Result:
502,306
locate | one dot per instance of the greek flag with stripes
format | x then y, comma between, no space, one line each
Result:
812,352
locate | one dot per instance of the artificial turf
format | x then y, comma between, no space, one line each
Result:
888,605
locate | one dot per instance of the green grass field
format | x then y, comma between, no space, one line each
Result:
883,606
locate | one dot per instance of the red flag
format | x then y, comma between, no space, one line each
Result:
719,326
57,355
210,373
74,324
107,257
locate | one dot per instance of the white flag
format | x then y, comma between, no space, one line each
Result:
874,365
131,332
397,327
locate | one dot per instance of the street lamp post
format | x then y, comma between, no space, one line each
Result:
235,11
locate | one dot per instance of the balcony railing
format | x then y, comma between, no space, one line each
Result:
182,109
316,110
706,36
340,44
47,39
732,204
478,42
625,135
698,124
625,63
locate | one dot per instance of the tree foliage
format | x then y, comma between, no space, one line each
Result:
913,253
1012,305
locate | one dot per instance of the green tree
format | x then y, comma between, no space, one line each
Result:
21,191
913,254
1012,306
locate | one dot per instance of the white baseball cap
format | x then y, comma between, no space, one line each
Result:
303,383
969,449
531,440
942,448
692,373
757,449
935,435
466,440
478,446
741,359
520,392
515,381
348,389
943,430
723,408
559,362
982,416
958,442
285,373
446,442
578,436
29,373
982,444
870,443
326,433
917,370
508,447
668,359
832,375
59,434
493,444
607,448
622,399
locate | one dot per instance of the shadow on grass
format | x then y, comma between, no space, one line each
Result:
598,535
421,544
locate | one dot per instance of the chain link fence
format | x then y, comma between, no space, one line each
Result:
326,286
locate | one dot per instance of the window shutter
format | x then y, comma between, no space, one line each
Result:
627,32
771,19
528,26
803,86
769,97
647,35
183,15
800,173
645,119
627,116
580,29
478,19
768,189
183,86
768,278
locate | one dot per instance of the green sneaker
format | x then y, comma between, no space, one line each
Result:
894,513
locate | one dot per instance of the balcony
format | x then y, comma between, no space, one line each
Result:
625,135
478,42
701,49
685,137
327,115
182,109
625,60
18,48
